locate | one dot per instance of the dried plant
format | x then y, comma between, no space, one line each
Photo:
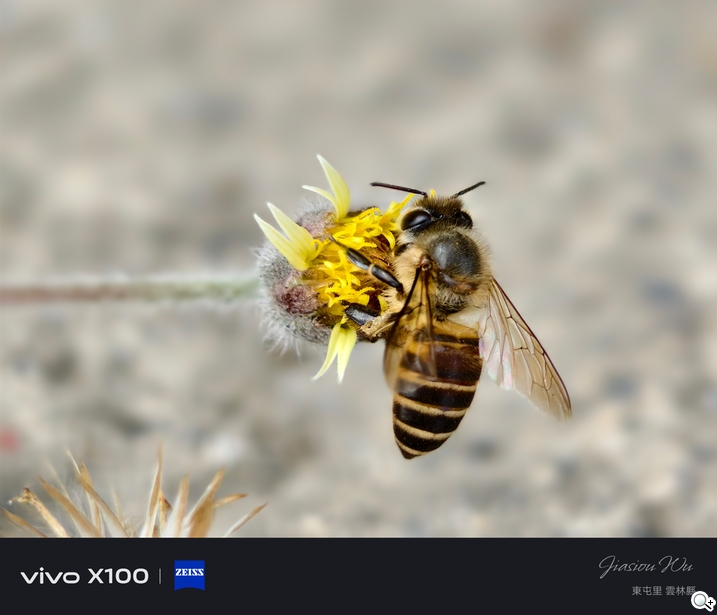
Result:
91,517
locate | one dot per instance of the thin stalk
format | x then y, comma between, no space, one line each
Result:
212,287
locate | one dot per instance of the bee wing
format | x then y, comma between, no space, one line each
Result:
414,320
515,359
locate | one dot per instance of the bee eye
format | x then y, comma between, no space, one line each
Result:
416,219
461,218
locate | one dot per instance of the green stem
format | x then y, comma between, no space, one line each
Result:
213,287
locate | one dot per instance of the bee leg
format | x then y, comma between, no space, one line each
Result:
381,274
360,314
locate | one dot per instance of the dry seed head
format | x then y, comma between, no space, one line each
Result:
91,517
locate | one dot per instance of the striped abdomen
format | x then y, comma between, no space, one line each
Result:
430,399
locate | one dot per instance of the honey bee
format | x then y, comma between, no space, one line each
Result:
448,321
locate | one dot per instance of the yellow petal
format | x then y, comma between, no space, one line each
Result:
323,193
291,251
296,234
341,197
331,351
347,341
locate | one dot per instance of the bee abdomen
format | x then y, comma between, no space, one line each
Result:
427,408
434,429
448,359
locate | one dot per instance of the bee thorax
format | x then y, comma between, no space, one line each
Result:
456,255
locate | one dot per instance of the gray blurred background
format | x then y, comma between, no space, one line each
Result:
140,137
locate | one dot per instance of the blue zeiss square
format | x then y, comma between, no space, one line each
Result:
188,573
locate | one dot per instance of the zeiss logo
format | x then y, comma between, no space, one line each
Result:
188,573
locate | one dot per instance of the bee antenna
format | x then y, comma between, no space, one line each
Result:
462,192
401,188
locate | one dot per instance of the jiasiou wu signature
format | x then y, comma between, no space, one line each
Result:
668,563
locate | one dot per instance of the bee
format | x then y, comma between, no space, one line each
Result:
447,321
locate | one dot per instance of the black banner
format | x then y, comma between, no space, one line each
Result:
520,575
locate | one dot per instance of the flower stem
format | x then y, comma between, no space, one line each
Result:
212,287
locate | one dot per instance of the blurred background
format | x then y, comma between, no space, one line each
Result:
139,138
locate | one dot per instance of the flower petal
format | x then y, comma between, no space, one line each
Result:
341,343
338,187
291,251
296,233
327,195
341,197
346,344
331,352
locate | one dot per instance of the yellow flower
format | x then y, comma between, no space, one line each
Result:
324,268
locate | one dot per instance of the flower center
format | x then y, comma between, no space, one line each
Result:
338,282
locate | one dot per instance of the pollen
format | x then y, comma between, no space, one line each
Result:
315,249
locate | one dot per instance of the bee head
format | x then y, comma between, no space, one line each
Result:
430,209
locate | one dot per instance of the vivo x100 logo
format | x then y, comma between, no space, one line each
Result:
188,573
101,576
